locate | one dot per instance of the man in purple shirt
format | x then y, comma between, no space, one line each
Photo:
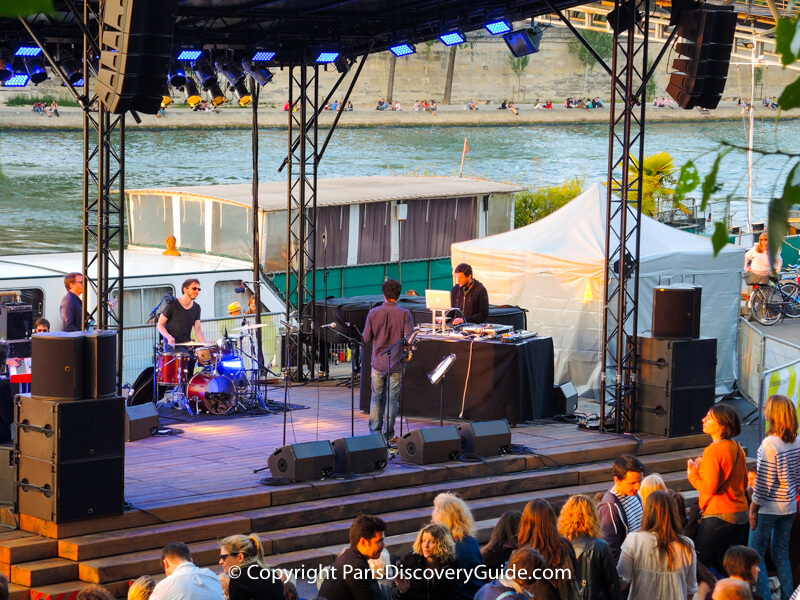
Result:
386,325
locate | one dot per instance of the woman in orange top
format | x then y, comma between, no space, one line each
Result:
721,478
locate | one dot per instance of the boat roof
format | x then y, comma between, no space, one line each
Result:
344,190
139,262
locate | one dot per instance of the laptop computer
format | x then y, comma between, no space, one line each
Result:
437,299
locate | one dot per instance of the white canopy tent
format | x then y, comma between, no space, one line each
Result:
554,268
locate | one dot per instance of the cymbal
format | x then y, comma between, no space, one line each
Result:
195,344
250,327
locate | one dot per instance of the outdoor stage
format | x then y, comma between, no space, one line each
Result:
200,486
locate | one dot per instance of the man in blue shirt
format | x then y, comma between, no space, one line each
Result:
386,325
71,306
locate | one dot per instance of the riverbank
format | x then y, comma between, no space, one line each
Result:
24,118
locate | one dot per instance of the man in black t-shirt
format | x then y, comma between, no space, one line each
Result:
178,318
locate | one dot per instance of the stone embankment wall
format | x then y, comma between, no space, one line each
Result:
482,71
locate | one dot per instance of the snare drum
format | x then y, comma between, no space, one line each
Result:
172,368
215,395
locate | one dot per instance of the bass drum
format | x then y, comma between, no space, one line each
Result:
214,395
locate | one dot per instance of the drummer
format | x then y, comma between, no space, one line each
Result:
180,316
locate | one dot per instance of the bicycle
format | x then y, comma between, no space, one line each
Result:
775,299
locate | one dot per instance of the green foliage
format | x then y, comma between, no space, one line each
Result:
651,83
758,74
518,65
534,204
658,173
30,99
21,8
602,42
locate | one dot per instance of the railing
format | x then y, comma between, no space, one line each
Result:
760,356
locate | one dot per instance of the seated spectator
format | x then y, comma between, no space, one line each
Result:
379,105
37,107
432,107
503,105
335,106
524,560
94,592
54,108
731,589
351,576
416,105
256,578
511,107
349,106
471,105
142,588
503,541
599,103
451,511
742,563
434,549
538,105
706,580
549,105
396,105
774,103
425,105
286,107
184,579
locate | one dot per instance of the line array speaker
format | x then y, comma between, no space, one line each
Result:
431,445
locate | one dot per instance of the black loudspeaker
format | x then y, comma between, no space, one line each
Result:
303,462
676,311
677,363
8,475
136,46
360,454
672,412
431,445
141,421
16,320
99,364
70,491
565,399
69,431
19,349
58,357
487,438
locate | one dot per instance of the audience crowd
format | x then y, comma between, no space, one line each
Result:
636,541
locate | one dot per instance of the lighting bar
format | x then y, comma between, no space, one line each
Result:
263,56
28,51
498,27
17,81
452,38
189,54
327,57
403,49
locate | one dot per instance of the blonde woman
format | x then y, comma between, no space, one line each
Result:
650,484
142,588
775,496
452,512
596,572
434,549
253,577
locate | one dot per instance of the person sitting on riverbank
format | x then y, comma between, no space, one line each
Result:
335,106
416,105
37,107
349,106
54,108
396,105
471,105
598,103
425,105
549,105
503,105
538,105
432,107
511,107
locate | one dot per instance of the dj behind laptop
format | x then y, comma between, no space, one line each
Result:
438,302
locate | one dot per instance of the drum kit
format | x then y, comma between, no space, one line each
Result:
221,386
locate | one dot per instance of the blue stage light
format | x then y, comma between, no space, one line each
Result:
28,51
263,56
327,57
403,49
498,27
189,54
452,38
77,84
17,81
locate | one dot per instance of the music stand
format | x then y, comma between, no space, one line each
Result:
437,378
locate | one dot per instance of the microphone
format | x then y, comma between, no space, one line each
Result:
241,289
286,325
169,298
413,338
328,326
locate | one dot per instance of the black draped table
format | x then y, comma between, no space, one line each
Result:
502,381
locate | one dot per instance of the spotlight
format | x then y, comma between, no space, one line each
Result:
70,67
524,41
452,38
17,81
6,60
77,84
25,51
177,74
192,92
189,54
215,94
36,70
242,95
261,74
166,98
327,57
498,27
231,71
207,74
341,64
403,50
263,56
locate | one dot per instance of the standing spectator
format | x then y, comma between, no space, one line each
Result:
503,541
650,484
775,497
185,579
71,305
658,562
452,512
538,529
596,574
721,478
351,577
742,563
621,508
434,549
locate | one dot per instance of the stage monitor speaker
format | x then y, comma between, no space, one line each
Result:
71,491
99,364
672,412
58,357
485,438
8,475
565,399
431,445
141,421
136,40
308,461
16,320
360,454
677,363
67,431
676,311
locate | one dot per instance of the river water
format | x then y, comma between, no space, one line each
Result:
41,189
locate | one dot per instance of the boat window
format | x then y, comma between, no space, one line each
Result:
225,293
140,302
32,296
150,219
192,224
275,242
232,230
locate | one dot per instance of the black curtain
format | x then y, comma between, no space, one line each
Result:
432,225
335,220
374,236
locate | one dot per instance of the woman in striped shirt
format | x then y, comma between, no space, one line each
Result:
775,496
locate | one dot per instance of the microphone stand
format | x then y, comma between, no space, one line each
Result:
353,343
156,345
287,369
402,360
